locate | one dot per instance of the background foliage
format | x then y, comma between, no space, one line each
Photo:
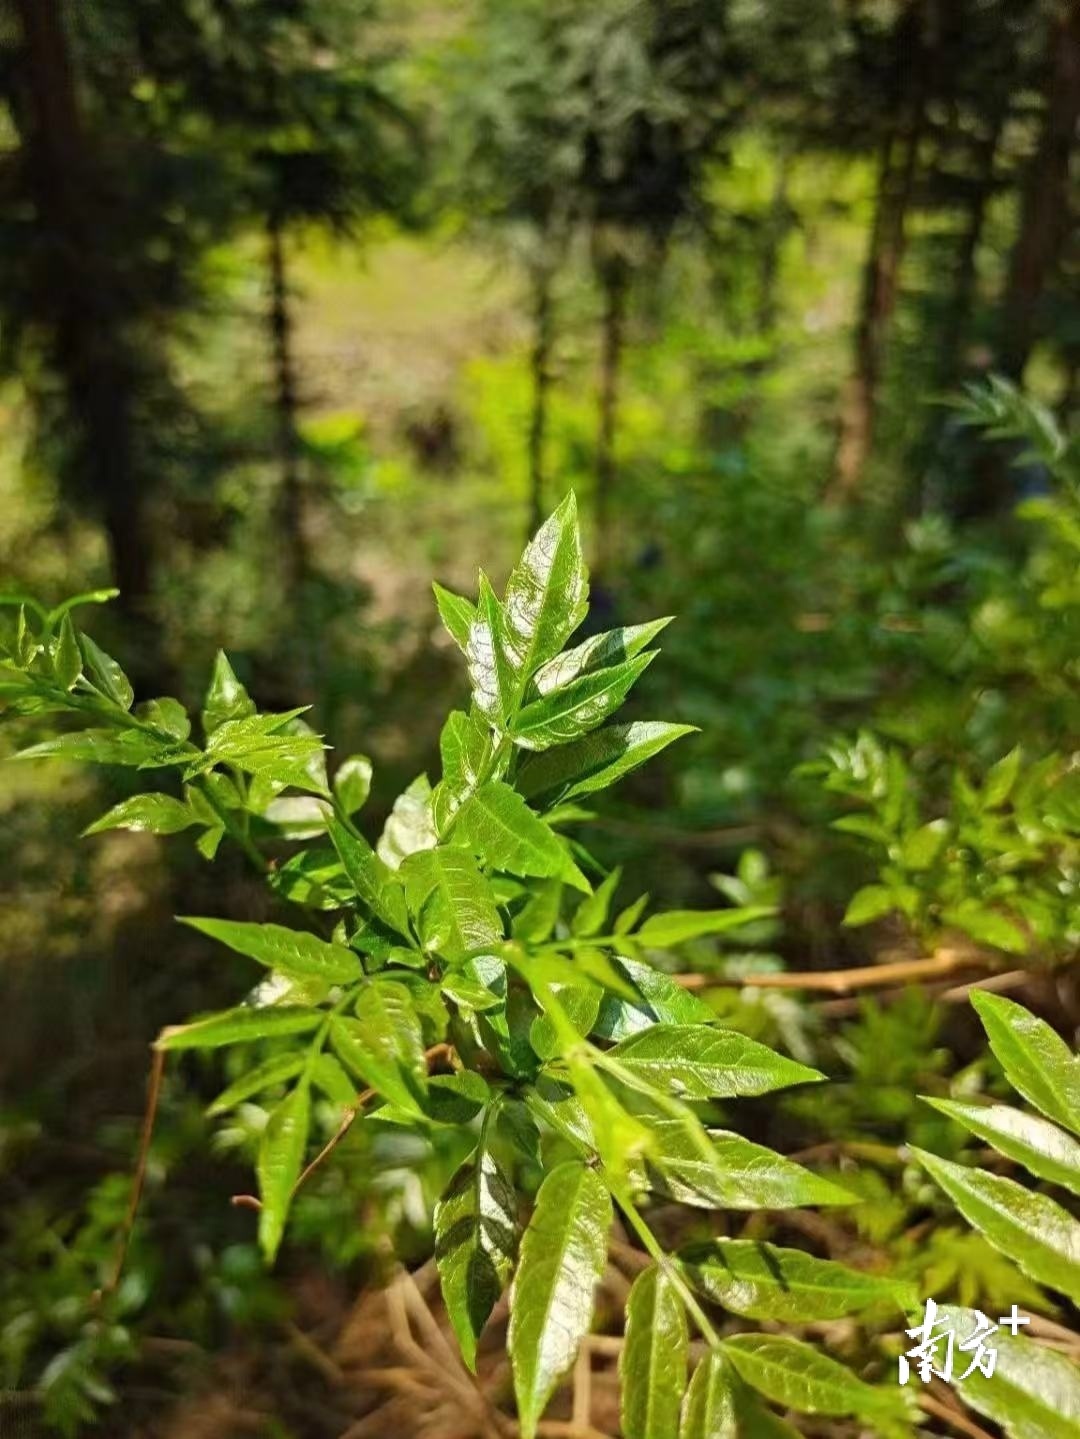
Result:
303,302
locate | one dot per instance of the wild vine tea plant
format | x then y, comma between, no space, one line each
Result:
476,977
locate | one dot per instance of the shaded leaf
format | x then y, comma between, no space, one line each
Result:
273,1071
107,675
662,1001
1034,1392
371,878
475,1244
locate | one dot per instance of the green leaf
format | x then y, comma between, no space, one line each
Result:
569,713
1034,1392
922,846
709,1409
762,1281
580,1004
328,1075
131,748
988,926
265,748
67,657
107,675
475,1243
538,916
152,813
729,1172
499,826
465,747
352,783
384,1045
597,652
276,1070
694,1062
679,925
292,952
1000,778
372,880
563,1253
239,1026
1030,1229
652,1365
598,760
167,715
1041,1147
794,1375
1037,1061
457,1098
873,901
281,1158
547,594
591,914
457,614
410,826
489,670
451,902
662,1002
226,698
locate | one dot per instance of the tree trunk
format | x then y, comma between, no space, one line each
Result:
958,317
776,229
1045,203
881,273
286,404
540,369
614,280
80,299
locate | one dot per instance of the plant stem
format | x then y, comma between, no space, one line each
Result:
655,1249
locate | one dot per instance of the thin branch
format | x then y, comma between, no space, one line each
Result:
953,1417
153,1095
347,1120
842,981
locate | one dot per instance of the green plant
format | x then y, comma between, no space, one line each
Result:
998,864
1036,1393
472,979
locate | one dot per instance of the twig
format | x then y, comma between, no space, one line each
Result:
841,981
347,1120
306,1347
995,983
153,1095
953,1417
581,1412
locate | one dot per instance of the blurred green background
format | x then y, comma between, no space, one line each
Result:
306,302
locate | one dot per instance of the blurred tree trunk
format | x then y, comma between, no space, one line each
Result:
897,173
540,367
614,280
1045,201
777,226
958,317
80,298
286,404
